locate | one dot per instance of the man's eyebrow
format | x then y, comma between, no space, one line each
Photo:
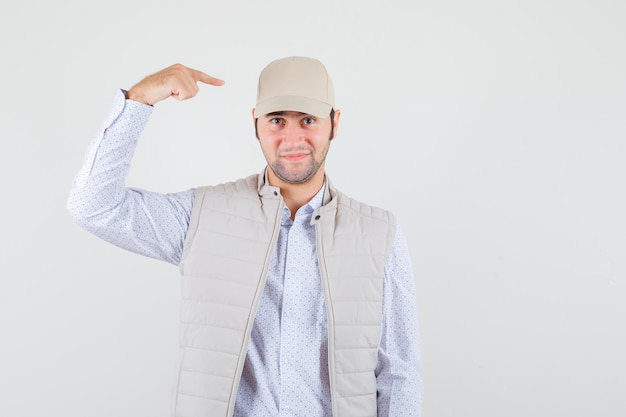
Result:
284,113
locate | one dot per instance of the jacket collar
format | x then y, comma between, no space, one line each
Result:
267,190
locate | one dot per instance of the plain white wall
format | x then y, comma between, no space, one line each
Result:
495,130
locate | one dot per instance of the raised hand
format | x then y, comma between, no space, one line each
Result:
176,81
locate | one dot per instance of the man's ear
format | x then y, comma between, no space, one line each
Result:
336,117
256,129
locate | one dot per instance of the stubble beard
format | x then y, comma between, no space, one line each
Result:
291,176
298,175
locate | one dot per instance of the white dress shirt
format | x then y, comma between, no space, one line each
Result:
286,368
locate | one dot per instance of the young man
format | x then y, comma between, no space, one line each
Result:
297,300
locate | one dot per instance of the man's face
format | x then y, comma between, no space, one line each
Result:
295,144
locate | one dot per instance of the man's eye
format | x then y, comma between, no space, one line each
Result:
275,120
309,121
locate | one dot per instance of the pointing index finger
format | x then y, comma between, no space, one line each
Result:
206,78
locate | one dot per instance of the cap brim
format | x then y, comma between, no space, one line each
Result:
291,103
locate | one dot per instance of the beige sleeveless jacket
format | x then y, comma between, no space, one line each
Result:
228,247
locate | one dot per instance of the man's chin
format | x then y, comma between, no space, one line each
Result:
295,178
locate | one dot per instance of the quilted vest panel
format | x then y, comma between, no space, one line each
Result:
229,244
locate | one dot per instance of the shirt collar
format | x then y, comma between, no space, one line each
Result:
317,200
313,204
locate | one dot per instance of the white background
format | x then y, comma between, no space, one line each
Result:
495,130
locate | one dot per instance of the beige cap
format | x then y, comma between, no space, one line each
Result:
295,83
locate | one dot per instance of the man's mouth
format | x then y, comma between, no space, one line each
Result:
295,157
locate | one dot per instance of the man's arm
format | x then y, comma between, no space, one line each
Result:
148,223
177,81
398,374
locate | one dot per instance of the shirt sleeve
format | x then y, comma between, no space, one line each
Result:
398,373
148,223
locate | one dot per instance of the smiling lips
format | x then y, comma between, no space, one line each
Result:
295,157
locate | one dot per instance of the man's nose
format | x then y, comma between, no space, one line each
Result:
293,132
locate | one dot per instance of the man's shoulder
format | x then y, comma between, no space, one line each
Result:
244,184
350,205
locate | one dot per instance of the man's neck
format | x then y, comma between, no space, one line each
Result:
297,195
